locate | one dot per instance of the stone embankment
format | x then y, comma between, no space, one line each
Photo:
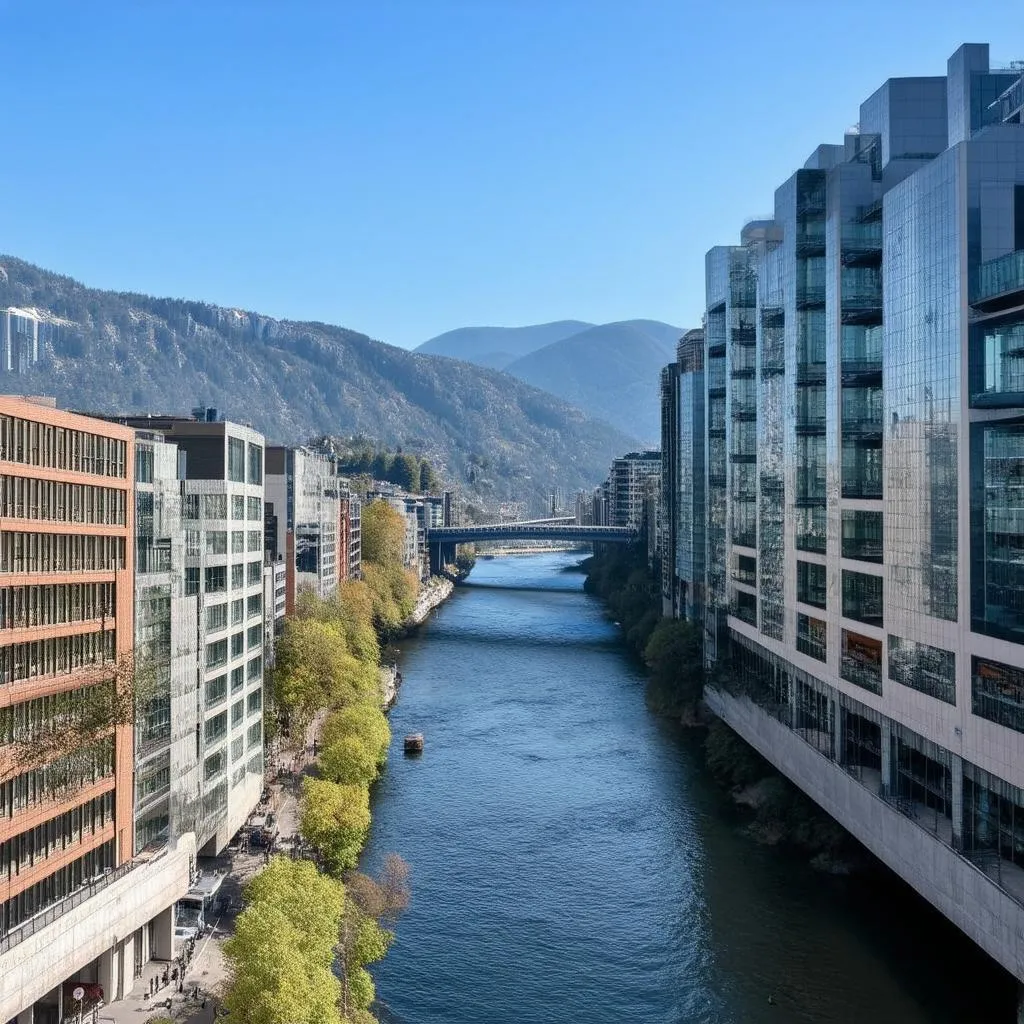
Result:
432,593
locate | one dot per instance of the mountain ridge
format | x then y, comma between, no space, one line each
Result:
294,379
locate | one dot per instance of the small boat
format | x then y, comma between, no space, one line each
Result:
414,743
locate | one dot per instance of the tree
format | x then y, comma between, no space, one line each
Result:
349,761
406,472
334,819
428,478
383,534
365,721
674,654
381,467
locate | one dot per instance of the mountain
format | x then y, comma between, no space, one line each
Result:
498,346
611,372
110,351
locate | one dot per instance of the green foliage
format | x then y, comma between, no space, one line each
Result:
674,655
733,762
367,723
349,761
383,534
621,577
281,954
335,819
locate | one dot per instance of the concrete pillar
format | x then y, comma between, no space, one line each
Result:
127,965
886,757
27,1016
837,732
107,974
956,772
163,935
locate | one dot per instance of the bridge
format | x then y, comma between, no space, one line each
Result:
441,540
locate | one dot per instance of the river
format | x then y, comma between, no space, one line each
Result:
571,860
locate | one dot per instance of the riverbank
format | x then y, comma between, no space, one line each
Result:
433,592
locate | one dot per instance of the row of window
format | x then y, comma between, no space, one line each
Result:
217,542
56,655
67,829
215,506
241,609
41,444
60,552
39,716
55,887
49,605
60,778
216,689
215,578
57,501
219,652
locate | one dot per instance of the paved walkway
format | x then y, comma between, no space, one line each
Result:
205,977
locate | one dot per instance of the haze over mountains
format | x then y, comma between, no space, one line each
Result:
610,371
108,351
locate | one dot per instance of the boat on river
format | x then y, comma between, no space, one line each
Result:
414,743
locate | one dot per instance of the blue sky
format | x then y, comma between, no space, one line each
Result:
403,168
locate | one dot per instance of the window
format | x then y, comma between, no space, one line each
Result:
255,464
254,508
238,611
811,637
861,661
237,506
216,690
928,669
237,679
216,653
216,542
215,506
236,460
237,712
254,636
216,579
191,582
862,535
237,542
810,583
237,749
255,668
216,727
191,509
255,540
255,572
811,529
255,701
216,617
214,765
254,605
254,737
862,597
237,576
143,464
193,541
997,693
237,645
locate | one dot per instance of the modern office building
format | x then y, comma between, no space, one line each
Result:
864,467
350,509
303,519
627,487
80,903
682,480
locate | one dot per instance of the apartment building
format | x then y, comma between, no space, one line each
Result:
79,903
223,525
864,389
351,532
627,487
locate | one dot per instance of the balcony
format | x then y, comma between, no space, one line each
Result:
998,283
862,243
997,350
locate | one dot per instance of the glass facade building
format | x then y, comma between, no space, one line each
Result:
864,469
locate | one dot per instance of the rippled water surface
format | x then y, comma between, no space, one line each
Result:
571,862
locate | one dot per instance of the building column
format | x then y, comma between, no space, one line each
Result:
127,965
886,757
837,732
163,935
107,974
956,772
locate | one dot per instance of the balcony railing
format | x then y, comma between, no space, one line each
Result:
998,279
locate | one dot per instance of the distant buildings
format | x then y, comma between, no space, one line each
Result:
862,465
627,487
19,340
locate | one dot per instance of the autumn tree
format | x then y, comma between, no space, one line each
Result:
366,722
383,534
